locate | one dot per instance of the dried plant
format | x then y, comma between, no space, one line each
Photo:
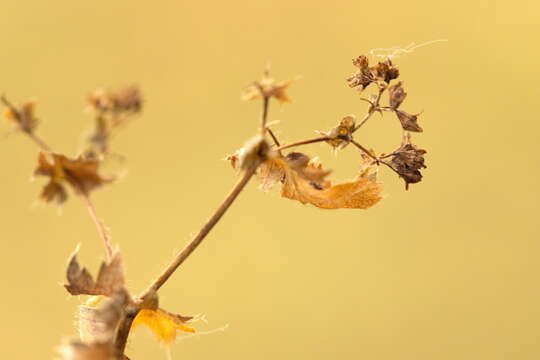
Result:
109,314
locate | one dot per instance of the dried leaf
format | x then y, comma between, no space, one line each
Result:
305,182
163,324
267,87
80,173
110,277
408,121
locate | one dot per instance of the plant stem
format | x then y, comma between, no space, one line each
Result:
193,244
102,231
366,151
42,144
374,106
304,142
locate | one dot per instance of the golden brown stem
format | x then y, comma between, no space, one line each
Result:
304,142
42,144
193,244
102,231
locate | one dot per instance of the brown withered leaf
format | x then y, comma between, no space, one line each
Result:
80,173
23,116
407,161
408,121
304,181
267,87
109,281
341,135
397,94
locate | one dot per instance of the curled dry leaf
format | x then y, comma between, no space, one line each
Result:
163,324
341,135
267,87
303,179
23,115
109,281
81,174
408,121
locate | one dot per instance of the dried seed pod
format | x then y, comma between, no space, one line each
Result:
396,95
407,161
408,121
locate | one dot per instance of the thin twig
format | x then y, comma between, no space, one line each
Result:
102,231
193,244
42,144
374,106
304,142
366,151
264,115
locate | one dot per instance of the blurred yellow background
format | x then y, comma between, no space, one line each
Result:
447,270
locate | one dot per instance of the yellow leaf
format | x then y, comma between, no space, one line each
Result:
303,180
163,324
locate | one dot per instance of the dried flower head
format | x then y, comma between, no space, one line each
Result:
112,111
80,173
363,77
407,161
341,135
267,88
385,71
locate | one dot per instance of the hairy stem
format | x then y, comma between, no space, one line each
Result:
102,231
193,244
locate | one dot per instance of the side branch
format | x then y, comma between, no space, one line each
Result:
188,250
102,231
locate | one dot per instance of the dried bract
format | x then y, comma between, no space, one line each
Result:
267,87
341,135
255,151
109,281
163,324
80,173
407,161
78,350
100,316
